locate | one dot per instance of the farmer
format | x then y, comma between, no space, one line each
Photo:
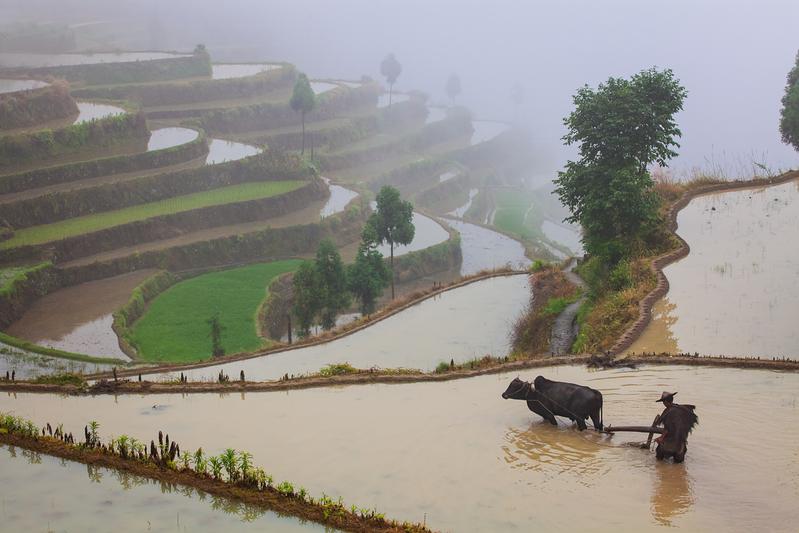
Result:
677,421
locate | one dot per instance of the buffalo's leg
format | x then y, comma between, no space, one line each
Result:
596,421
581,424
551,418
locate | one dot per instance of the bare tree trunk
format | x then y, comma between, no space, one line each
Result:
303,133
390,90
392,269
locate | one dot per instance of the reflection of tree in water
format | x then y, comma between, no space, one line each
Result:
247,513
672,494
94,473
554,450
34,458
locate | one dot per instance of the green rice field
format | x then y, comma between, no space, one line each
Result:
89,223
175,328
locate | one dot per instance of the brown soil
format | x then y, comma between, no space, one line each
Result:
660,262
270,498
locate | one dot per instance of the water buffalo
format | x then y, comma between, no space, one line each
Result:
554,398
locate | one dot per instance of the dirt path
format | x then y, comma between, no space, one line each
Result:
564,330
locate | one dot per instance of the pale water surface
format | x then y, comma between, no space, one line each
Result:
231,70
458,455
12,86
24,59
485,130
169,137
484,249
52,494
88,111
736,293
220,150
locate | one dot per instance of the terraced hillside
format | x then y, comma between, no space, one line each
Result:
203,171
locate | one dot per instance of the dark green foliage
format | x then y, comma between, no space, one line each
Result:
368,276
391,69
307,296
392,223
303,100
216,336
789,114
622,127
62,379
453,86
332,283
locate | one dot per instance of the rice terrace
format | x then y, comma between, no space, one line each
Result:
282,265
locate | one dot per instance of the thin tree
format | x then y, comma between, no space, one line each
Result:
307,296
217,350
392,222
303,100
368,276
391,69
789,114
333,283
453,87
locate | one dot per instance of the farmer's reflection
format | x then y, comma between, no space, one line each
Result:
672,494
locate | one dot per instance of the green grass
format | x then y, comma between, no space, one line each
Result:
511,207
175,328
89,223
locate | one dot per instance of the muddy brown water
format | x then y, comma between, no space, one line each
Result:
78,319
77,497
464,459
736,293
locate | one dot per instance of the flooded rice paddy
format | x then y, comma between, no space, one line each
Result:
428,233
484,249
220,150
169,137
78,319
460,457
320,87
12,86
225,71
338,199
26,364
485,130
434,114
382,100
469,322
568,236
25,59
88,111
735,293
461,211
51,494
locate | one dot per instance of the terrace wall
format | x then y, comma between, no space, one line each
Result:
22,109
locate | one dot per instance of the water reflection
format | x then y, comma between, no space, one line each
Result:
460,211
25,59
484,249
169,137
77,497
220,150
338,200
88,111
12,86
240,70
672,494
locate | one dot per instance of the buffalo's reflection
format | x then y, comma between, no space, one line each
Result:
554,450
672,494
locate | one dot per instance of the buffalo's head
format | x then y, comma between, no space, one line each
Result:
517,390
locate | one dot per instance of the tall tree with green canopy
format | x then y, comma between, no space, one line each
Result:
392,222
333,283
307,296
622,127
368,276
453,87
390,68
303,100
789,115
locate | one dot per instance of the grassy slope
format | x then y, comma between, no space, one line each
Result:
99,221
175,327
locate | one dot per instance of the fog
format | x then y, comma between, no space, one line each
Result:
732,56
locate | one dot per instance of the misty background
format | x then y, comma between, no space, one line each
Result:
732,56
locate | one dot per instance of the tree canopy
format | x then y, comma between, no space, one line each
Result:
391,69
303,101
368,276
392,222
789,115
307,296
453,86
333,283
622,127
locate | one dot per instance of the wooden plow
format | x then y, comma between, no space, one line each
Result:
610,430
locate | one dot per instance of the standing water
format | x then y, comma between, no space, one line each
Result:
220,150
458,455
169,137
484,249
736,292
227,71
12,86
